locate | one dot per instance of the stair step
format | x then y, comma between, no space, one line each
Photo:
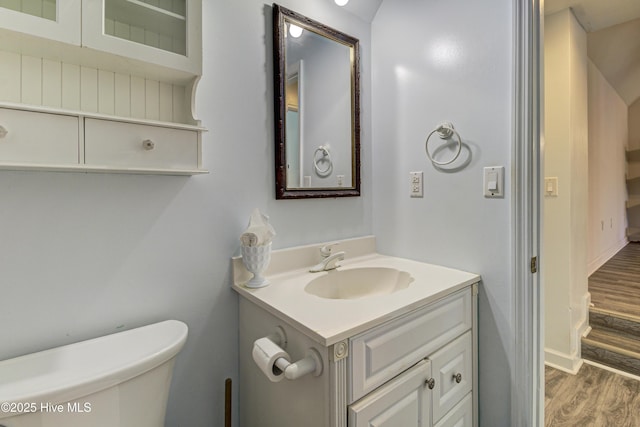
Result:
612,349
633,201
633,155
622,323
633,234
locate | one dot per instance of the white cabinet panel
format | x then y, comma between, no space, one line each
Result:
405,401
452,370
460,416
38,138
118,144
51,19
382,353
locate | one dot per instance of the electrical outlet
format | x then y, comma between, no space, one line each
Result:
416,189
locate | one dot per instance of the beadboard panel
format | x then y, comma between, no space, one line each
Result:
10,76
44,82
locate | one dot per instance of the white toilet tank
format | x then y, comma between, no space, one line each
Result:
117,380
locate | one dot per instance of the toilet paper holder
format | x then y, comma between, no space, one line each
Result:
310,364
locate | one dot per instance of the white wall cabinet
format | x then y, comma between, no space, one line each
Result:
419,369
125,71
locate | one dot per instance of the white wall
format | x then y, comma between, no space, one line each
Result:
565,216
608,138
88,254
449,60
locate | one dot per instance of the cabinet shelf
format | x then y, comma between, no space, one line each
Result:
99,169
131,13
74,141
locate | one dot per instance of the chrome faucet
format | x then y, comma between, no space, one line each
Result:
330,260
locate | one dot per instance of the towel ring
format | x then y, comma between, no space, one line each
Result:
445,131
324,150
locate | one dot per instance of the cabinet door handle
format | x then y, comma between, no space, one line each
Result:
3,133
458,377
148,144
431,383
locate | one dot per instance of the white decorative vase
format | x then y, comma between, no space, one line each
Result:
256,260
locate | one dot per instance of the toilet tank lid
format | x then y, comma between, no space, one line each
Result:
75,370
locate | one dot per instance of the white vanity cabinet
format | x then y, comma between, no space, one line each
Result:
415,369
125,71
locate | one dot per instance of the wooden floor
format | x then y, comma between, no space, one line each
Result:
594,397
616,285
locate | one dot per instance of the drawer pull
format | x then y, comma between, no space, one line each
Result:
431,383
458,378
148,144
3,133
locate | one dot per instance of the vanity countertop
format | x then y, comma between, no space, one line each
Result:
328,321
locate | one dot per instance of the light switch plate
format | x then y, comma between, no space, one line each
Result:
493,181
416,189
550,186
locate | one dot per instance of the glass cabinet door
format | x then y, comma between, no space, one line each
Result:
51,19
42,8
162,32
157,23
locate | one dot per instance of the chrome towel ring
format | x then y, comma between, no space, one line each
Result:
445,131
325,157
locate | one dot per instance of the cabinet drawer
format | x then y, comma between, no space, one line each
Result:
38,138
118,144
405,401
452,363
460,416
380,354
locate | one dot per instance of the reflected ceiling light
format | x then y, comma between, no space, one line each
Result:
295,31
341,2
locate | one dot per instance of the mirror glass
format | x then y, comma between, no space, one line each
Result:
316,76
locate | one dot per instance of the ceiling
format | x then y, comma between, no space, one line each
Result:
365,9
613,39
595,15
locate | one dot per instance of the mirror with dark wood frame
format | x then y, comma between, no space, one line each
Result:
317,108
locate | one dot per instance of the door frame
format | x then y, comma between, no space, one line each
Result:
527,371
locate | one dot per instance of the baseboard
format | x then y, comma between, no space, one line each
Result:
563,362
610,369
571,363
583,324
606,256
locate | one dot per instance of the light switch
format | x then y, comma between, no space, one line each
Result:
493,182
551,186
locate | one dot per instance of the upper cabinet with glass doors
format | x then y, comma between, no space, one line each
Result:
164,33
104,67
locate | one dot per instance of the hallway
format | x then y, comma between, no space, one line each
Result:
615,287
592,398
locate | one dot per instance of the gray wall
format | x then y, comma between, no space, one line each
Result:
436,61
84,255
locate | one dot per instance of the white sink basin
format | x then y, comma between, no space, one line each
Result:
359,283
